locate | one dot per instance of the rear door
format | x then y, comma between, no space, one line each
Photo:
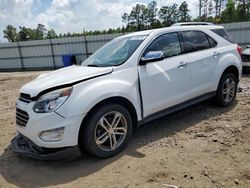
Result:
203,58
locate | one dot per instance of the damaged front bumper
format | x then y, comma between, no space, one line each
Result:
25,147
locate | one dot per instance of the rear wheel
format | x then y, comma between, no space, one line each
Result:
227,89
107,131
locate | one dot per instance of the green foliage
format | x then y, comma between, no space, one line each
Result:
149,16
40,32
243,10
184,13
137,19
169,15
229,14
51,34
10,33
24,33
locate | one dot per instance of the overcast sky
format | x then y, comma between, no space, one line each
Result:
72,15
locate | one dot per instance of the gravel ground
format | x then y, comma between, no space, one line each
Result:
200,146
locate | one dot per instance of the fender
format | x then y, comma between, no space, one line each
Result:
224,62
87,94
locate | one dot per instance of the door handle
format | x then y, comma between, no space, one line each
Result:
216,54
182,65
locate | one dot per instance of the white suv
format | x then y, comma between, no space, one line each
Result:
131,80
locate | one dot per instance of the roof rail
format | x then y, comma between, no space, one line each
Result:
192,23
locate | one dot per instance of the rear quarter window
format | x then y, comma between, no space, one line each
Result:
195,41
223,33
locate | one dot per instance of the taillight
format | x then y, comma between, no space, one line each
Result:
239,49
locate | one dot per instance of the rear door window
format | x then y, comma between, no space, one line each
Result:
195,41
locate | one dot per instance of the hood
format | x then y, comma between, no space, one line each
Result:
65,76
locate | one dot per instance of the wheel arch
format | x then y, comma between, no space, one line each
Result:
118,100
230,69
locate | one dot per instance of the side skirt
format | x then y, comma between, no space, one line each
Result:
177,107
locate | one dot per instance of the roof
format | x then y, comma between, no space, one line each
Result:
173,28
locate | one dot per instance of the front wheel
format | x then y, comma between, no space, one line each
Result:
108,131
227,89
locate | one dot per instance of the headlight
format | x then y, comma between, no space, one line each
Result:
51,101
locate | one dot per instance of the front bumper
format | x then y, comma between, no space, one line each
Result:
40,122
25,147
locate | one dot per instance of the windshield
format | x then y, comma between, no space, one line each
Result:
114,53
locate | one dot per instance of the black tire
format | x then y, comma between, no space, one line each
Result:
220,97
87,137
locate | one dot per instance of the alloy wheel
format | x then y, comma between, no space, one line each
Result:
228,90
111,131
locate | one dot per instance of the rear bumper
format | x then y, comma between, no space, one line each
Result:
25,147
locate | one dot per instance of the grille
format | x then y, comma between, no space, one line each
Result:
25,97
22,117
245,58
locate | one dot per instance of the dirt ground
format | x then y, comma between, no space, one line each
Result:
201,146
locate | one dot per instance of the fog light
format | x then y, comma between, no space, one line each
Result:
52,135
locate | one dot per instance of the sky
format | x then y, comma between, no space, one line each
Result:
72,15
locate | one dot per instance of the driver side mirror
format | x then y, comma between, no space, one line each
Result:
151,57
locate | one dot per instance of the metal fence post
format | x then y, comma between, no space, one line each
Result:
86,45
52,54
20,55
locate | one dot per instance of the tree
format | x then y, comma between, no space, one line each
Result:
184,13
229,14
200,7
205,10
210,7
40,32
26,34
51,34
137,17
243,10
23,36
151,16
147,17
125,18
11,33
218,7
169,15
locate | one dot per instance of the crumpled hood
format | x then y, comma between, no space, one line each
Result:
64,76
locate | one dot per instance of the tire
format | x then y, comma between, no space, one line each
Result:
100,126
227,89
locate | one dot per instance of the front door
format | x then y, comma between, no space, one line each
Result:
167,82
